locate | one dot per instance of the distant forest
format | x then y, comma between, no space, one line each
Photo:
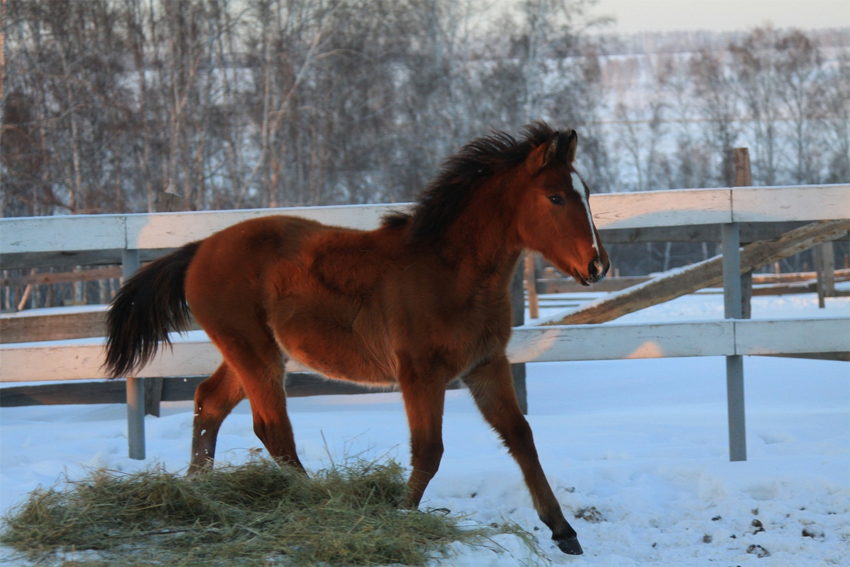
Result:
112,105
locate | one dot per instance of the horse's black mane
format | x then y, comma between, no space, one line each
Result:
449,193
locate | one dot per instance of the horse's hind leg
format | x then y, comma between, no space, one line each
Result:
258,361
492,388
215,397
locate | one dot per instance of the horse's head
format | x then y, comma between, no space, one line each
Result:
554,212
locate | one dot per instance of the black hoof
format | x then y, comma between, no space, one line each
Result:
570,546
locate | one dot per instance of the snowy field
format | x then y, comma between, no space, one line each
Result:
640,445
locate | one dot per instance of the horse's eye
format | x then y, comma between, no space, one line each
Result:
556,200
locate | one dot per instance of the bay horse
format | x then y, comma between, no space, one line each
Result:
418,302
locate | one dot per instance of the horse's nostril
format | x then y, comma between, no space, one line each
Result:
596,271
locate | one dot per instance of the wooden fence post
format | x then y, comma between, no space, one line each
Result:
744,178
733,309
153,395
518,312
135,386
825,270
733,299
531,285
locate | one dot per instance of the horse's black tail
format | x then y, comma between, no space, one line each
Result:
147,306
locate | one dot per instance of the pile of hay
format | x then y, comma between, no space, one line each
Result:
257,513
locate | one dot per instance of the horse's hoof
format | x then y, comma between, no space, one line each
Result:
570,546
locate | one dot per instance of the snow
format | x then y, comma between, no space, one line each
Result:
642,444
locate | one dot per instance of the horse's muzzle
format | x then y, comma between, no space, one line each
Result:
596,272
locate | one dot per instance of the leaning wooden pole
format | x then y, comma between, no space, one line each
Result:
704,274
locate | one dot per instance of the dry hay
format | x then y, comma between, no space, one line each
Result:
258,513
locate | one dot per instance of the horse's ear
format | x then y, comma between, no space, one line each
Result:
561,148
571,144
551,153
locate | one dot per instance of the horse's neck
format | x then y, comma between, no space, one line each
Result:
484,243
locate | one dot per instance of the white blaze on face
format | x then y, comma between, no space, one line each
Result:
578,187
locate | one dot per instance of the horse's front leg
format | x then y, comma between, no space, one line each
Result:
424,392
492,388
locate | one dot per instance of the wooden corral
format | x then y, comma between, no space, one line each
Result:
107,239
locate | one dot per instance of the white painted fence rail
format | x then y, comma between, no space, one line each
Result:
615,210
197,357
731,337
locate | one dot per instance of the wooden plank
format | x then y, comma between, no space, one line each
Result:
176,389
611,211
796,203
615,342
564,284
683,281
834,356
180,388
70,258
569,285
83,360
102,392
788,336
61,233
750,232
786,289
170,230
840,275
56,327
528,344
49,235
47,278
661,208
24,328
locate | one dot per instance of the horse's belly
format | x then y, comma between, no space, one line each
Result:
335,352
351,369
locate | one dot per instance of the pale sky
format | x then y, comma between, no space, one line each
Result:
722,15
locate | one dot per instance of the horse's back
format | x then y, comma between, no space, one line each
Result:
227,283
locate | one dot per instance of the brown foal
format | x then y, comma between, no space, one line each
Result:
419,301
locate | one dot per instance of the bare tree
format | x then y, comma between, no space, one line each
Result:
837,104
755,62
2,96
114,105
800,69
714,92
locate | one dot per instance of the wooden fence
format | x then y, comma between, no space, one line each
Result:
103,239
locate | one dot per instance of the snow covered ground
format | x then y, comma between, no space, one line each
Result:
640,445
